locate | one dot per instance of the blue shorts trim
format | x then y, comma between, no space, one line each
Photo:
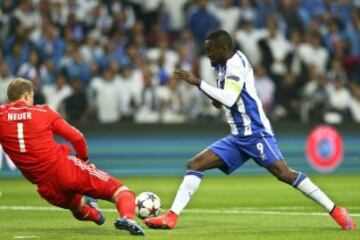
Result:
235,151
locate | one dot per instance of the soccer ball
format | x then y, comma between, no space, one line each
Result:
147,205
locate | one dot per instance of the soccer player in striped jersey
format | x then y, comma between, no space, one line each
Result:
251,134
27,136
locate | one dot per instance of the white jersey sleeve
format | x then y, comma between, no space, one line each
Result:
226,97
233,84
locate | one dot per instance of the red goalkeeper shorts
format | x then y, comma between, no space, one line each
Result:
74,178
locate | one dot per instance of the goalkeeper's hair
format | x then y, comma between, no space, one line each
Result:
17,88
222,36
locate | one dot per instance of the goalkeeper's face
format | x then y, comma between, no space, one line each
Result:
215,52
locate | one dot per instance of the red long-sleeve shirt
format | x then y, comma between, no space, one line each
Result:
27,136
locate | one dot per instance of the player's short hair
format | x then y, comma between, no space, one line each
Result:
222,36
18,88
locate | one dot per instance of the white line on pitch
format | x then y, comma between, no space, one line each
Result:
250,211
25,237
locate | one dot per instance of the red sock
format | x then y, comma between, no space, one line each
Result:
125,204
86,213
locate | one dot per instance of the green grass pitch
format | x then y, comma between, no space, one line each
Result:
236,207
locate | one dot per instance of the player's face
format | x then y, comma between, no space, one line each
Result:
214,52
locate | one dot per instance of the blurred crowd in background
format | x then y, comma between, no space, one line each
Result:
113,60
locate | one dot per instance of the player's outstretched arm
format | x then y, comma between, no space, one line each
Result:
188,77
226,96
65,130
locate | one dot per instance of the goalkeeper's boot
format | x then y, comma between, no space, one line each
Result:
91,202
342,217
166,221
129,225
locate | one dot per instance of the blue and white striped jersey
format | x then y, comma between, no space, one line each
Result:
246,117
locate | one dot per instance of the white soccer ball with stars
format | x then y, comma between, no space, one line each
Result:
147,205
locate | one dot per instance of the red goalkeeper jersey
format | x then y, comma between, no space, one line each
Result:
27,136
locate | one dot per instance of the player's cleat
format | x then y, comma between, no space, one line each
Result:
91,202
342,217
166,221
129,225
